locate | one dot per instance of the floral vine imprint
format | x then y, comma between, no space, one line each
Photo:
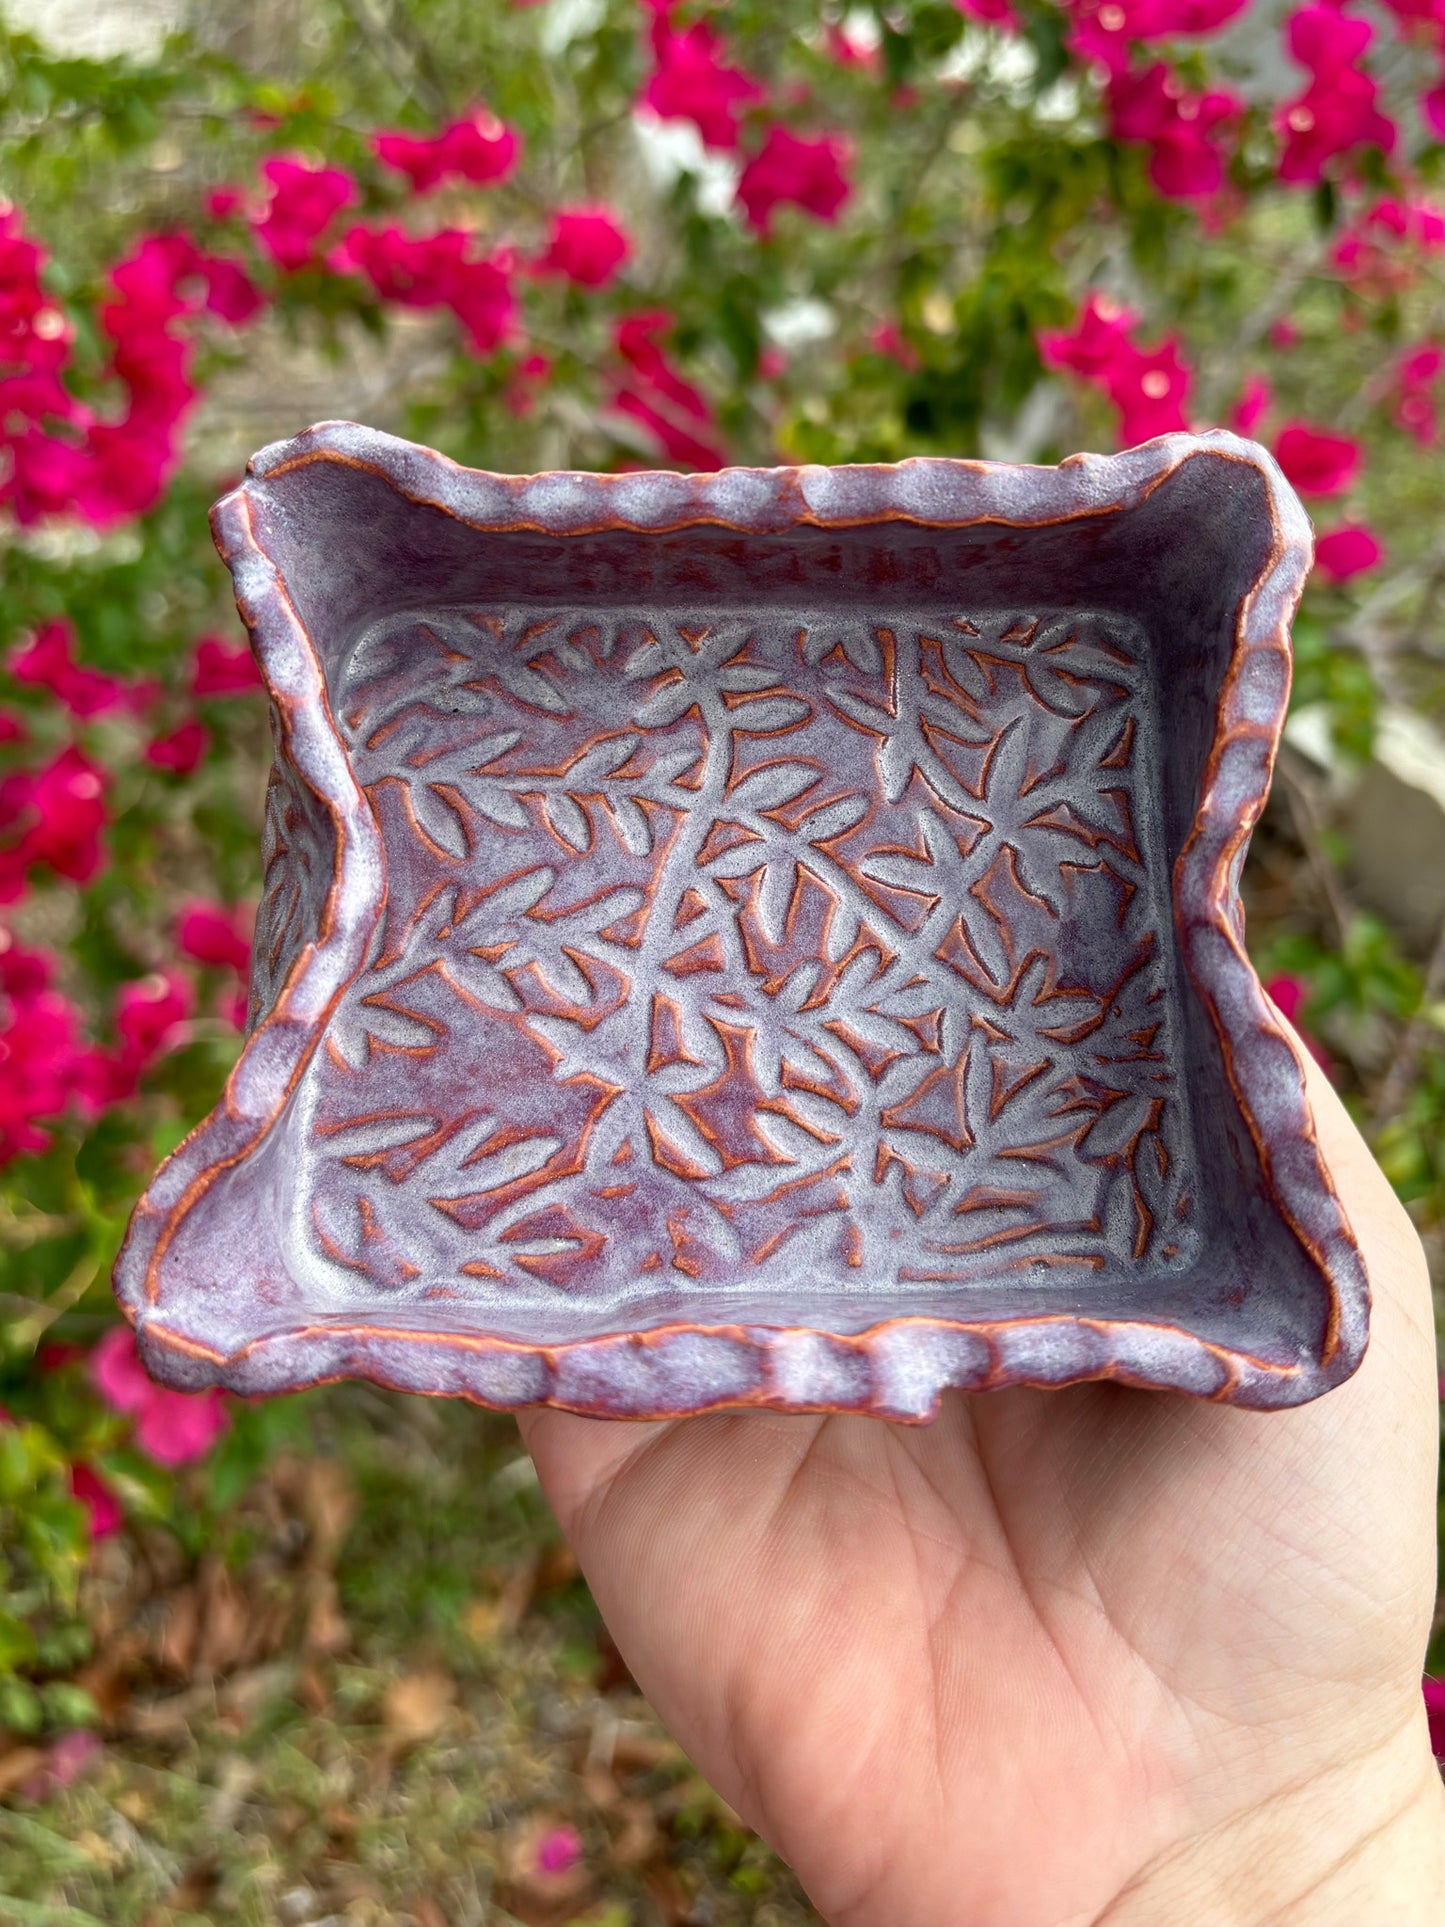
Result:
722,950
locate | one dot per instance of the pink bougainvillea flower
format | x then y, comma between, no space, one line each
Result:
1316,461
810,174
1432,110
66,1760
691,81
1150,392
44,1065
657,396
1289,995
483,300
1099,338
1253,405
219,938
223,670
1148,387
1334,116
1152,105
848,51
587,245
1417,408
990,13
1414,15
479,148
60,813
1435,1714
48,662
117,1373
103,1510
1325,39
1380,251
436,270
524,383
222,202
173,1428
149,1011
230,291
416,271
1338,111
1347,551
12,729
302,204
1102,30
559,1850
151,1015
182,751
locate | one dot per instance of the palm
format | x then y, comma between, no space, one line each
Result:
995,1668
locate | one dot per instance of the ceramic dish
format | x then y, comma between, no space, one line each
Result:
758,938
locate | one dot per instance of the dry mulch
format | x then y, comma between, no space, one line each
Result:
382,1695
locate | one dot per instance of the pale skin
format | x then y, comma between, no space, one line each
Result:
1093,1655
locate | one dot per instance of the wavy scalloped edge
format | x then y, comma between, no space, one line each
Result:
899,1367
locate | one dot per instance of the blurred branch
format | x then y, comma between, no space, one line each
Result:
385,43
1301,795
1399,1079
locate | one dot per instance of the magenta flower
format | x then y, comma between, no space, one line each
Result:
48,662
810,174
44,1066
586,245
690,81
303,203
222,202
103,1510
1417,408
230,292
1337,112
182,751
1153,106
151,1014
172,1428
479,148
1148,387
60,813
1347,551
1317,462
1253,405
436,271
1103,30
221,670
655,395
559,1850
1289,995
219,938
991,13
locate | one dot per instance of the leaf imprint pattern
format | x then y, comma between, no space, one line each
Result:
726,951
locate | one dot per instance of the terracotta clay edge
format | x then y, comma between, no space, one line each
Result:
776,1368
277,1052
754,501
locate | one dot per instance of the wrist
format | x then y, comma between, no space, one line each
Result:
1363,1839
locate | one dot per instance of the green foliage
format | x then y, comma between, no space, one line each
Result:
43,1539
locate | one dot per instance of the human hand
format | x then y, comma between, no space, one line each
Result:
1084,1655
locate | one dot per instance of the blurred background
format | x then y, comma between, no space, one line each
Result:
324,1658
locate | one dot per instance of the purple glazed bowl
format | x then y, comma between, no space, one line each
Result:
764,938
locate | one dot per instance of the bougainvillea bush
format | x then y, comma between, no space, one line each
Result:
597,234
